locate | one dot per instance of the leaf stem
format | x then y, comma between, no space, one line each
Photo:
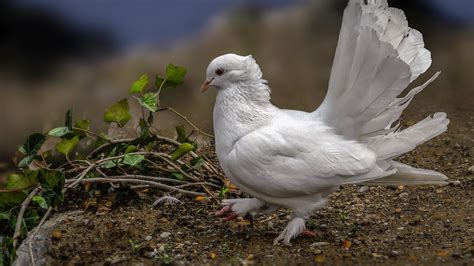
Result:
187,121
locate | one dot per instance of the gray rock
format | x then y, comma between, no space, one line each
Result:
319,244
41,241
471,169
165,234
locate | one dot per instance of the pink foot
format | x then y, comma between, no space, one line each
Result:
308,233
227,212
224,210
231,216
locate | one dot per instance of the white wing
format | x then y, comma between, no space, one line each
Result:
289,158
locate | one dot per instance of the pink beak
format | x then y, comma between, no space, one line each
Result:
205,85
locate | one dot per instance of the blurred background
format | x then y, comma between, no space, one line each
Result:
84,55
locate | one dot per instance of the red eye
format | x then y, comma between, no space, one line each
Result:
219,72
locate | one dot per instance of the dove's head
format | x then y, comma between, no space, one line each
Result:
230,69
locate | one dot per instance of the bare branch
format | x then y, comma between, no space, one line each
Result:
19,220
138,181
187,121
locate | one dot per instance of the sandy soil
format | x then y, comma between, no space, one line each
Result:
361,225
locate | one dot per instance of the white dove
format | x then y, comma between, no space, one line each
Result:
295,159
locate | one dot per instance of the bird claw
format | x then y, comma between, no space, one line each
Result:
227,212
308,233
224,210
231,216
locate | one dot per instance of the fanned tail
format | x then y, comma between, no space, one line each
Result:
377,57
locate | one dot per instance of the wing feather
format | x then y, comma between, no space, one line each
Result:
288,158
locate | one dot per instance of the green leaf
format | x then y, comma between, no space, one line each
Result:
182,150
25,162
5,215
52,179
181,131
103,138
40,201
140,84
149,101
83,124
144,127
118,113
30,219
131,148
174,76
68,123
33,144
109,164
179,176
197,162
133,159
67,145
59,132
12,198
21,181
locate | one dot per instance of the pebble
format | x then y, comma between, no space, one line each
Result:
165,234
319,244
363,189
148,238
455,183
471,169
317,251
56,235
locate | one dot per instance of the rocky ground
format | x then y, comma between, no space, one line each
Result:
361,225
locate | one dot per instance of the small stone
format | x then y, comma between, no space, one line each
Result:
455,183
471,169
319,244
56,235
403,194
376,255
317,251
148,238
395,253
213,256
442,253
346,244
319,259
363,189
165,234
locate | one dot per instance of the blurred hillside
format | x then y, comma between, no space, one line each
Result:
294,47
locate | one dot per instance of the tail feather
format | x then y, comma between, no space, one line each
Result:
377,56
408,175
380,125
397,143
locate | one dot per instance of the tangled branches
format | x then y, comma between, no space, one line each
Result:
148,161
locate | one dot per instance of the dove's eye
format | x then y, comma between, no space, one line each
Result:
219,71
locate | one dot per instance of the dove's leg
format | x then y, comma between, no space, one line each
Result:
240,207
297,226
294,228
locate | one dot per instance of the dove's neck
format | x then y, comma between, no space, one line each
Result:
238,111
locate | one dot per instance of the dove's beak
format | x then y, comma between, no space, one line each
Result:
206,85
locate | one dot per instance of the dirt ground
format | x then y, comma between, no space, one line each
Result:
361,225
